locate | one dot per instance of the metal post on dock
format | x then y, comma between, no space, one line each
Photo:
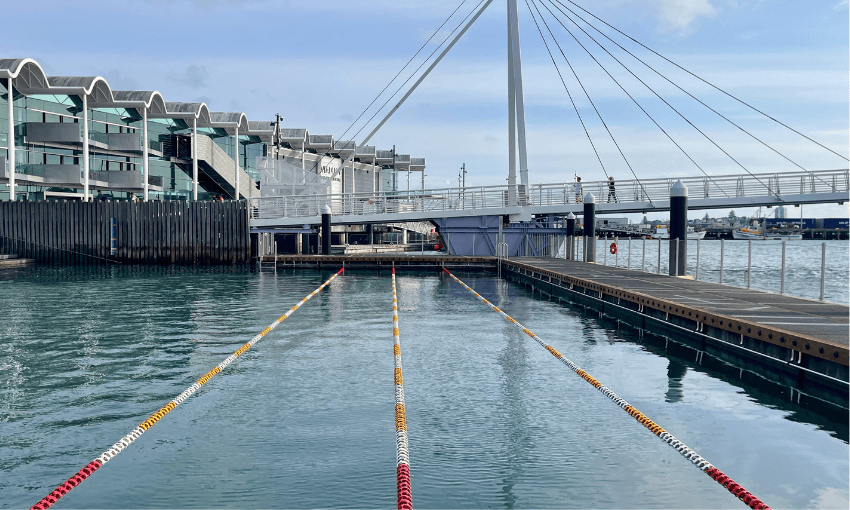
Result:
326,230
721,261
605,251
590,226
678,229
696,271
822,269
675,268
658,270
584,248
749,260
643,259
617,253
629,259
571,232
782,278
473,242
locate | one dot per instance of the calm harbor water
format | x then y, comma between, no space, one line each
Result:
305,418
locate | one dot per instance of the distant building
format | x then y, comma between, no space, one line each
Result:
780,212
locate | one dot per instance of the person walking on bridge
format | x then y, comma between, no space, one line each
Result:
577,188
612,193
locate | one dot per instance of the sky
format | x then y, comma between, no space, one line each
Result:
320,63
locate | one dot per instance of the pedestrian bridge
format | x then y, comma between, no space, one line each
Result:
634,196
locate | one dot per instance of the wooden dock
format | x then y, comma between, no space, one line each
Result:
795,335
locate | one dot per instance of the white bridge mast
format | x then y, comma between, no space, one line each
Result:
516,109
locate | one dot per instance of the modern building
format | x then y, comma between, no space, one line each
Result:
70,137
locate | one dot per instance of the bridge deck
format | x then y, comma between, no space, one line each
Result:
776,314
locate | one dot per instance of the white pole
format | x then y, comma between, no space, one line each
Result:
749,260
696,272
659,256
617,255
782,279
721,262
822,269
643,258
195,159
520,106
629,260
85,148
11,137
511,119
605,251
236,159
145,168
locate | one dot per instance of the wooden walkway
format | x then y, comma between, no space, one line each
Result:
819,329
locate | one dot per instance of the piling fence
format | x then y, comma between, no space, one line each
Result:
173,232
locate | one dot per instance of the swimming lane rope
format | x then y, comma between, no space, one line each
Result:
125,441
402,470
741,493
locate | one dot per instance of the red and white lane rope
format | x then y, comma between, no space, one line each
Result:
688,453
402,470
125,441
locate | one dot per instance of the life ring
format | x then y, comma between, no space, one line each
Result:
613,248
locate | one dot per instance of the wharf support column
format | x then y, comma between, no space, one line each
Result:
678,229
326,230
571,232
590,227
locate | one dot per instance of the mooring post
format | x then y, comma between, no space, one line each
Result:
643,258
629,259
678,228
721,262
782,279
590,227
571,232
326,230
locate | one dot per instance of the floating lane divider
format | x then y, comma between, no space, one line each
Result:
125,441
741,493
402,470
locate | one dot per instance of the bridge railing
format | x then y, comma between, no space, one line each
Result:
492,197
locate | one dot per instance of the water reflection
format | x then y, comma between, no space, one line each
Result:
676,371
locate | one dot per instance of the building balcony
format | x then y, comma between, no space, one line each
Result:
69,135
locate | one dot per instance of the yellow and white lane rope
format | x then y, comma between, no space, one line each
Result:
687,452
404,499
125,441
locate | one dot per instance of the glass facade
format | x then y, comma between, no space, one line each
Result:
115,142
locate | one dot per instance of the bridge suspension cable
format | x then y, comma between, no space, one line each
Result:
558,69
709,83
678,86
481,7
405,67
587,95
656,94
632,97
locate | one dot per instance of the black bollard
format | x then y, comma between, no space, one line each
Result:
590,227
678,228
326,230
571,233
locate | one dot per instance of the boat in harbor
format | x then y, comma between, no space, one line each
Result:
757,234
661,232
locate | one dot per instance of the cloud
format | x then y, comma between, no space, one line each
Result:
490,139
841,4
194,76
677,15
